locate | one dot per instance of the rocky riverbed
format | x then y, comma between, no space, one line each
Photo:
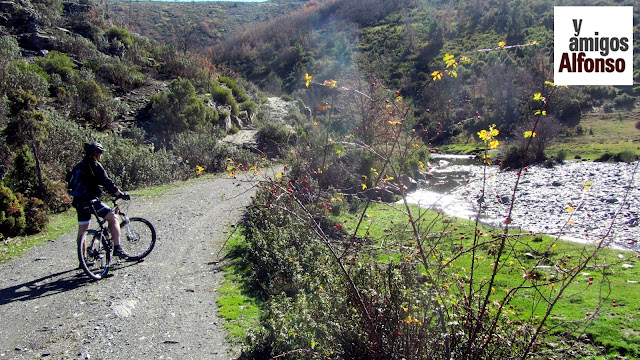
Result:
577,200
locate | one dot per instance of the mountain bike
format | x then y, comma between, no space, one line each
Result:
137,238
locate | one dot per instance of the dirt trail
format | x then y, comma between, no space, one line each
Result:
161,308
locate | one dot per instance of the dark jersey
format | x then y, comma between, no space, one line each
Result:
95,179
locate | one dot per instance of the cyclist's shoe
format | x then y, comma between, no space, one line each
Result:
119,253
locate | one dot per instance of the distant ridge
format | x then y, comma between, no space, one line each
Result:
187,1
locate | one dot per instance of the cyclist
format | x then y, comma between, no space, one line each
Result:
94,177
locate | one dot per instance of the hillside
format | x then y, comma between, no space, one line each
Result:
193,26
70,76
398,45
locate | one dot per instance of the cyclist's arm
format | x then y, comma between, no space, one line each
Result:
106,182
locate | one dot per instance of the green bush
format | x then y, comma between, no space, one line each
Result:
178,109
140,51
132,166
561,156
121,34
23,177
58,63
624,156
81,47
55,196
237,90
513,157
35,211
625,102
29,77
249,106
225,97
281,254
200,149
12,217
274,138
118,73
64,141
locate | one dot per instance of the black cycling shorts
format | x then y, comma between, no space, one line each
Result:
84,211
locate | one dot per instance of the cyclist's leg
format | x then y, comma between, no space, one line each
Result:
114,228
105,212
84,220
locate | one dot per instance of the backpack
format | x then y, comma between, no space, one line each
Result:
75,184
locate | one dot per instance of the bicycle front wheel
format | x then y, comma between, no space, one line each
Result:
94,254
137,238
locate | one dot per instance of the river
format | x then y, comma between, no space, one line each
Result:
578,200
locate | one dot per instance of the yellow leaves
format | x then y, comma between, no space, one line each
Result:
450,64
554,85
331,83
502,44
570,209
485,135
364,186
399,99
539,97
410,320
315,123
486,159
528,134
488,136
307,79
450,60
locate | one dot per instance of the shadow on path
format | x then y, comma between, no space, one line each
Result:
52,284
45,286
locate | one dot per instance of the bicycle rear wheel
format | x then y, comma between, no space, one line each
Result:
94,254
137,238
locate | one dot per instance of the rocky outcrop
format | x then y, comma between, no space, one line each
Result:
20,19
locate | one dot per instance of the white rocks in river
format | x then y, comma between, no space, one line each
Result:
578,200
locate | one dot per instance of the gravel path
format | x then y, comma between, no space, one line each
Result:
161,308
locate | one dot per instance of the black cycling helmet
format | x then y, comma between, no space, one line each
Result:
93,148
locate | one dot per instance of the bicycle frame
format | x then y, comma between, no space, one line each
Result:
101,221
